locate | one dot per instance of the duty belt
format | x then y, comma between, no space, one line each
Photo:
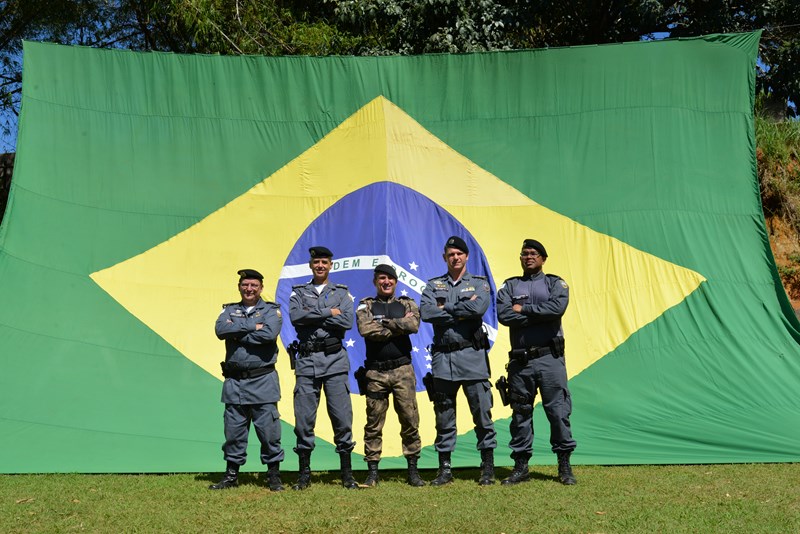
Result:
387,365
529,353
247,373
451,347
310,347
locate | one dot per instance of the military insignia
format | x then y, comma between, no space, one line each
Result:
361,307
563,284
466,289
278,311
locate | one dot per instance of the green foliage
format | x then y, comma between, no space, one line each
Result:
414,27
778,155
697,498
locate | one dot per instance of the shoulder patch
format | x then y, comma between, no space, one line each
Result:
557,280
361,306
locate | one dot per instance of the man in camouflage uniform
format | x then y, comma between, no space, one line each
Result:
386,322
531,306
321,313
454,304
251,390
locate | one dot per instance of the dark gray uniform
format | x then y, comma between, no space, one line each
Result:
322,362
251,398
457,362
544,299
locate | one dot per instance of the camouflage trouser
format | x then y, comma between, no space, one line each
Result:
402,384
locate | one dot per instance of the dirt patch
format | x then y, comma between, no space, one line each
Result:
786,248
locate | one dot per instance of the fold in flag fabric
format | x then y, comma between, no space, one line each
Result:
145,181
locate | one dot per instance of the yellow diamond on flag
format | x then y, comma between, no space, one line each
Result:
615,288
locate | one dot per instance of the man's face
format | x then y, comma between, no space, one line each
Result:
320,267
531,260
456,259
385,285
250,290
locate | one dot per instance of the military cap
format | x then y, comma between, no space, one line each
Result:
386,269
250,274
320,252
535,245
456,242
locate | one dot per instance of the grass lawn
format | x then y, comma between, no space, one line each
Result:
695,498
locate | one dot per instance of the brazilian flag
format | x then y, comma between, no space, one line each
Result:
145,181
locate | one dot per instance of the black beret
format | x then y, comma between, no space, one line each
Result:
535,245
456,242
320,252
250,274
386,269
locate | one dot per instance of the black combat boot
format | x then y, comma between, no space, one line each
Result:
413,475
229,480
519,473
565,470
304,472
445,474
274,476
372,474
487,467
347,471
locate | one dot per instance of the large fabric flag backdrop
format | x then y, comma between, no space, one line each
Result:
145,181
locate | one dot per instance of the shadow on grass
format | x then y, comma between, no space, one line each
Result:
390,475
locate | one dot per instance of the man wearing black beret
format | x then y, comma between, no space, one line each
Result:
251,390
531,306
386,323
321,313
454,304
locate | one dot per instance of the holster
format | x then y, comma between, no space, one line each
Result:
427,381
361,379
557,346
293,348
480,339
502,388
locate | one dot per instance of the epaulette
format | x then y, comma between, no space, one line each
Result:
511,278
556,279
229,304
365,299
341,286
404,297
480,277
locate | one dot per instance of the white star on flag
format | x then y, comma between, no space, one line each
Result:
404,292
428,366
429,357
415,349
350,342
413,266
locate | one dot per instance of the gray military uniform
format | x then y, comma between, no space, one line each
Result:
544,299
457,362
251,399
320,367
